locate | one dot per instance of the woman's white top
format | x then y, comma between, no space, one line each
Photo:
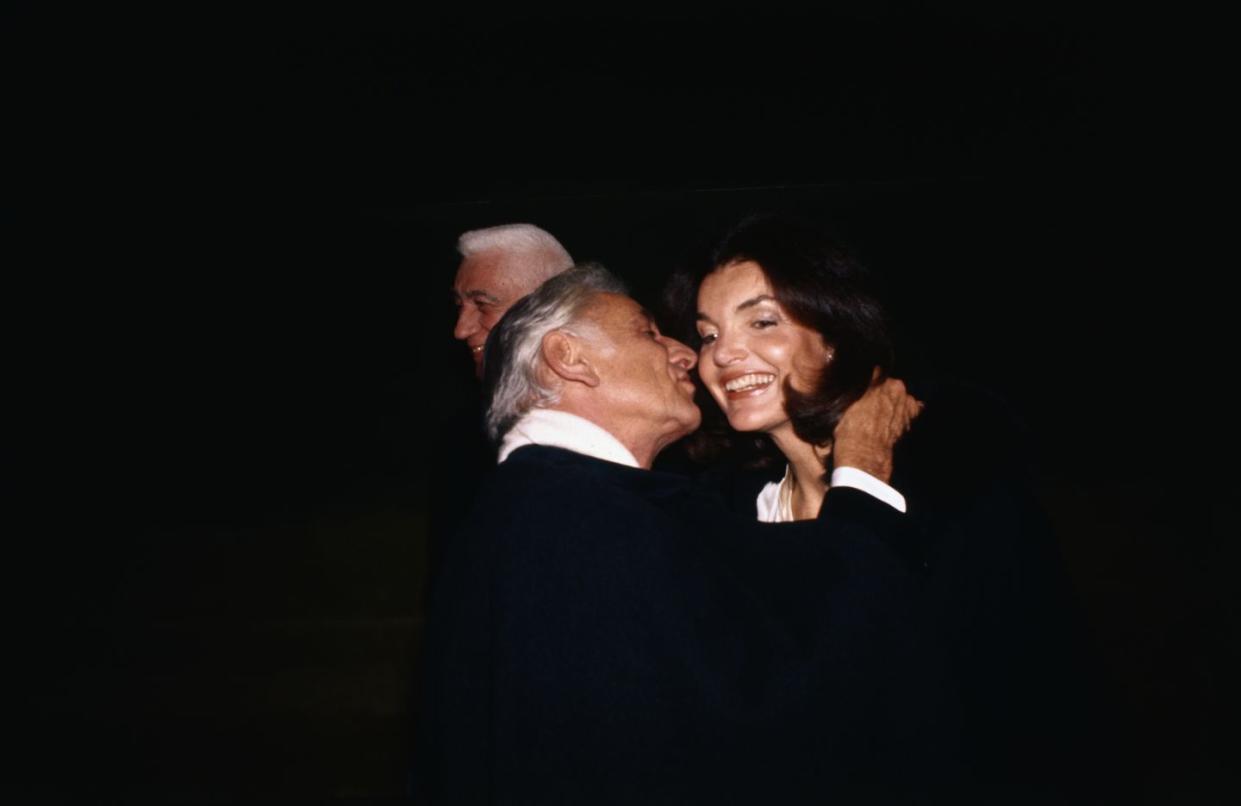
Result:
775,500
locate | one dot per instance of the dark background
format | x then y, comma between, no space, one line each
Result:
233,336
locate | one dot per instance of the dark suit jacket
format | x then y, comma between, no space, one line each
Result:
1038,724
1025,688
603,634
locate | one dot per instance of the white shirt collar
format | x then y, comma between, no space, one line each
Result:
559,429
775,500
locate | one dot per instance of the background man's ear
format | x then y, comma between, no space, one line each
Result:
564,355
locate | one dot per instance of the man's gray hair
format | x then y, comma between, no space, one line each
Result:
511,364
543,254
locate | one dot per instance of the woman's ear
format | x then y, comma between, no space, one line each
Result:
564,354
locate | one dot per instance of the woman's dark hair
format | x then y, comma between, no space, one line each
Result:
822,287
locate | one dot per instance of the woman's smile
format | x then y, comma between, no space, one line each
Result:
751,348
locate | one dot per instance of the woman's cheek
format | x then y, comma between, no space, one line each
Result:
809,368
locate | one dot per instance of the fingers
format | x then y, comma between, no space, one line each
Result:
886,408
902,406
891,387
913,407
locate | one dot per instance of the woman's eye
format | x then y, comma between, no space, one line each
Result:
763,324
707,338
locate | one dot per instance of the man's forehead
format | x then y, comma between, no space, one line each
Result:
619,308
478,272
492,270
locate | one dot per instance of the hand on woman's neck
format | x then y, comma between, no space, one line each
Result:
806,472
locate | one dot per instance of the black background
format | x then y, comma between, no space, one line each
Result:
232,324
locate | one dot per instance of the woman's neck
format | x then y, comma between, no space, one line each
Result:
806,472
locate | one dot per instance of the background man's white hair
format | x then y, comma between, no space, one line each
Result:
540,252
511,368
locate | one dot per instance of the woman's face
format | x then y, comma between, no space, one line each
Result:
750,347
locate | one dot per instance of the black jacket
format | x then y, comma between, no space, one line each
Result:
603,634
1024,686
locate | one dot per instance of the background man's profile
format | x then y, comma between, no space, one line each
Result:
500,265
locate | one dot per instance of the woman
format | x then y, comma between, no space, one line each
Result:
789,337
794,349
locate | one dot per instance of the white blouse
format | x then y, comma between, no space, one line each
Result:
775,500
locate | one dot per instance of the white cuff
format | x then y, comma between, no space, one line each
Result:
861,480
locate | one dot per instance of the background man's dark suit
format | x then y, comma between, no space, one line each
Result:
607,634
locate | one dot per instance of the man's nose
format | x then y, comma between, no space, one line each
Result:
680,354
467,322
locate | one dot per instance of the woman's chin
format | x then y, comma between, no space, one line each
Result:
746,424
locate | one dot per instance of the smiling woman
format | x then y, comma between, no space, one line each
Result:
751,349
789,336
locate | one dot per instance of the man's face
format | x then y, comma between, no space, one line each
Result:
487,285
643,374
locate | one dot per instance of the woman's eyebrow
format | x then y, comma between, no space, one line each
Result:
750,303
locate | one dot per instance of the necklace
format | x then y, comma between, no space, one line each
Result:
784,501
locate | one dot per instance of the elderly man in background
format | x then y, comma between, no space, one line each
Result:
500,265
608,633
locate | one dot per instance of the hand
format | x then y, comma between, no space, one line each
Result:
871,427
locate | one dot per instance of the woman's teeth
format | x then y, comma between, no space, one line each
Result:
747,382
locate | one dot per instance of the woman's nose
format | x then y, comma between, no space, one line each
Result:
727,350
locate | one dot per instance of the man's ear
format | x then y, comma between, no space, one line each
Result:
564,355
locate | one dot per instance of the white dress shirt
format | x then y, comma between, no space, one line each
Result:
559,429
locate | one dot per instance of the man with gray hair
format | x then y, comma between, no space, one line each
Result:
549,366
500,265
607,633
